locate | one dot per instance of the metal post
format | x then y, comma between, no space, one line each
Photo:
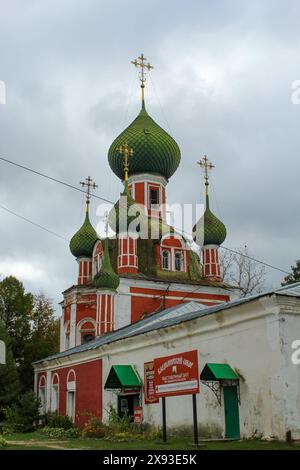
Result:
196,439
164,419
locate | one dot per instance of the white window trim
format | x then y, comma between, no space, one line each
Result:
169,259
56,385
79,325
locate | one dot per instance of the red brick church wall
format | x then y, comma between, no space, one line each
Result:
88,395
144,302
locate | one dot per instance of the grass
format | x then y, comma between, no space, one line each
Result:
37,441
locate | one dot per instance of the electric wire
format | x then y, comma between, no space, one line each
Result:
56,180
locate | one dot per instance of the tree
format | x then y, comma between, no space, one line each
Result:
294,276
31,325
44,337
24,413
9,378
15,312
241,270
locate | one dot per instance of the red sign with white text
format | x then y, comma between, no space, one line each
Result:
177,374
137,410
150,396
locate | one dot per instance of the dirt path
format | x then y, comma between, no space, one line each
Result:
47,444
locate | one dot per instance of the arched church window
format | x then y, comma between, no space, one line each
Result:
166,259
87,331
178,261
87,337
54,394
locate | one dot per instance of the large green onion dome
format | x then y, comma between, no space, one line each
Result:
106,278
122,215
155,151
82,243
209,230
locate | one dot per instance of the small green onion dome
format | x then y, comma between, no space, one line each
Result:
82,243
106,278
119,218
214,229
155,151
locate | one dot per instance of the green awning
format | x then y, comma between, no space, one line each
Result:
214,371
121,377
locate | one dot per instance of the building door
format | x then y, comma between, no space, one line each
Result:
126,404
232,419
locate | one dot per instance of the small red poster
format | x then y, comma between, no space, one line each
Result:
137,414
177,374
149,383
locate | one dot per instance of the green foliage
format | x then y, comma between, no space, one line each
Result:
94,428
118,424
44,338
9,378
58,421
61,433
31,326
24,413
15,312
294,276
3,442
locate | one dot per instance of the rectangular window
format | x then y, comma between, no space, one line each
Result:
54,401
154,196
166,259
71,405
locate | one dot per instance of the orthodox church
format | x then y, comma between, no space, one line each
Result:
136,298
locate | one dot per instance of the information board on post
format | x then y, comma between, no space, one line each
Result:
177,374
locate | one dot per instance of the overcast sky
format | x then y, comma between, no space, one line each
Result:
221,86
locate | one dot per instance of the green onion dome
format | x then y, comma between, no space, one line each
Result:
123,214
106,278
155,151
82,243
209,229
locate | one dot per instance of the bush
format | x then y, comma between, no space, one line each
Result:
94,428
118,424
3,442
61,433
24,414
54,420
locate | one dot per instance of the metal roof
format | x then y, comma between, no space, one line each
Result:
290,289
169,317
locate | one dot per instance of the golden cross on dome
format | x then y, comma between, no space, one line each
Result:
88,184
141,63
127,152
206,165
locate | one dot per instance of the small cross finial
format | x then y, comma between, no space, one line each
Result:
127,152
141,63
88,184
206,165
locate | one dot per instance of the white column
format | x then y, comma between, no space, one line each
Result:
48,390
72,326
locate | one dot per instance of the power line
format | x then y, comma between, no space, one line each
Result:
254,259
56,180
51,178
32,223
